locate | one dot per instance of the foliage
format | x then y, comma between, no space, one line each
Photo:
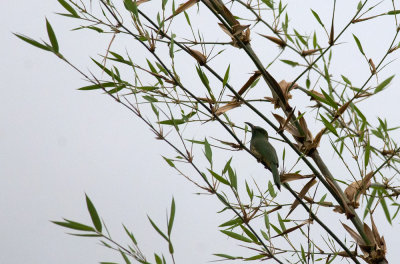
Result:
166,97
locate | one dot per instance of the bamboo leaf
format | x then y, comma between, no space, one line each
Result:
236,236
328,125
93,214
171,217
207,151
317,18
157,229
383,84
52,37
359,44
219,178
74,225
33,42
226,77
69,8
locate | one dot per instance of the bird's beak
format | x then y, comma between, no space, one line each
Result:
250,124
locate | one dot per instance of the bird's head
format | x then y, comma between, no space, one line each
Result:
256,130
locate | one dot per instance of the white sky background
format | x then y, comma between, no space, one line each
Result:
58,143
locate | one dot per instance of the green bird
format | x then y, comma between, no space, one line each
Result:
264,151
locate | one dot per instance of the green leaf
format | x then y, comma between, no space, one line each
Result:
250,234
131,6
383,84
265,235
171,46
370,201
171,217
226,77
367,154
97,86
232,178
52,37
359,44
157,258
225,256
93,214
291,63
33,42
131,236
219,178
266,220
393,12
207,151
281,222
227,165
271,189
127,261
269,3
300,37
329,126
169,161
234,222
150,98
236,236
69,8
108,71
250,192
385,208
74,225
157,229
317,18
346,80
329,99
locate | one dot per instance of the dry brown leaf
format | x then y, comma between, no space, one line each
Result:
138,2
287,177
362,19
286,87
354,235
309,52
302,194
341,110
183,7
344,253
227,107
287,126
206,99
200,57
226,13
325,204
231,144
289,230
370,235
249,82
278,41
303,125
354,190
238,29
346,210
372,65
318,137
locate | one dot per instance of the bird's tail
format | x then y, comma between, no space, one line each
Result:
277,178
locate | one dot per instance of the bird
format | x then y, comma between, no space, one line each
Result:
264,151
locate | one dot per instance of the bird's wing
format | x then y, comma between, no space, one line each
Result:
265,149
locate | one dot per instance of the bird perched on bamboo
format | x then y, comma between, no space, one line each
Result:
264,151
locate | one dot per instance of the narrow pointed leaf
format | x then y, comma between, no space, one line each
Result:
52,37
171,217
236,236
33,42
93,214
